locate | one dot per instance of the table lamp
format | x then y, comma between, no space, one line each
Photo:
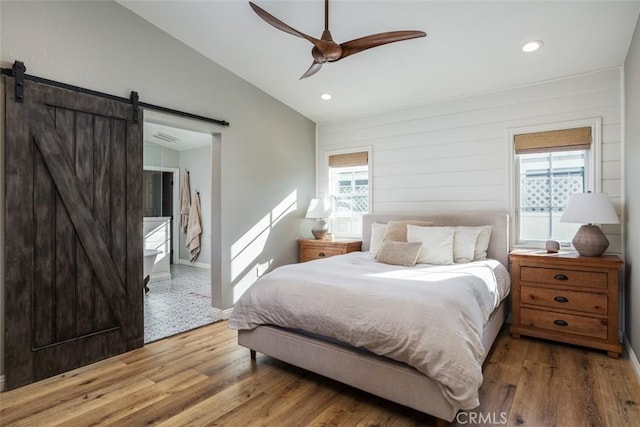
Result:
590,209
319,209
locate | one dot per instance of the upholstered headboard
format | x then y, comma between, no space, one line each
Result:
498,245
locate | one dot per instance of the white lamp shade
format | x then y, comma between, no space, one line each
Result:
590,208
319,208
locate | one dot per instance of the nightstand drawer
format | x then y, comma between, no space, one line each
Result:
557,276
318,253
311,249
587,302
566,323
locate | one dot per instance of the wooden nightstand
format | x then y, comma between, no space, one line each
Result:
567,297
311,249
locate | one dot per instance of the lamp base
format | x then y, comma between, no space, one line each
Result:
320,229
590,241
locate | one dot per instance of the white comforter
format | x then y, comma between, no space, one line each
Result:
430,317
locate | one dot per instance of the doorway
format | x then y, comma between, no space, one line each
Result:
180,299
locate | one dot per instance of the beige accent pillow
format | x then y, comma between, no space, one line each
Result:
377,237
437,243
399,253
397,230
464,244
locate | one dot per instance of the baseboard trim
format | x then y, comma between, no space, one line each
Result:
194,264
219,314
1,382
633,358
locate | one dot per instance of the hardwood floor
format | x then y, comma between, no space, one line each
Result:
202,377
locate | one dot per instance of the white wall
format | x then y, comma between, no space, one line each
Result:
632,190
455,155
159,156
267,154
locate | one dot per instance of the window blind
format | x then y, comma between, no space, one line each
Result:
349,160
555,140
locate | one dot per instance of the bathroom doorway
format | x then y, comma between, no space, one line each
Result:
179,296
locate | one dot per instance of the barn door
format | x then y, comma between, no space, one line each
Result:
73,231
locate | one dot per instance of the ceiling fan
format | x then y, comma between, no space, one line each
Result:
325,49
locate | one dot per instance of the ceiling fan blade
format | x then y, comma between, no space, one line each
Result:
272,20
315,67
358,45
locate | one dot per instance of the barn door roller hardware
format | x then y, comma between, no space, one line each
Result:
134,104
18,72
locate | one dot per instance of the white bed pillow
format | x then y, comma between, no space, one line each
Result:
399,253
482,243
464,244
377,237
437,243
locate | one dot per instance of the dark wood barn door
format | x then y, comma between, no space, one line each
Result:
73,231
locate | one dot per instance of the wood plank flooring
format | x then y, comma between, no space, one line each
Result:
203,378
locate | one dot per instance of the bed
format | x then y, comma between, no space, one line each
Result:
423,385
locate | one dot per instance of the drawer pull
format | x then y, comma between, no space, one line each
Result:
560,323
560,277
561,299
321,254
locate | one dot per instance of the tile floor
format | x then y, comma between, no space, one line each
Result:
177,305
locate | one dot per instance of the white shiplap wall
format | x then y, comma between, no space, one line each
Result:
454,156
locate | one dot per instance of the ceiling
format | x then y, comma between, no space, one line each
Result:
175,138
471,46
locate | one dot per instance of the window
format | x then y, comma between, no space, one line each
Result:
349,188
547,180
550,167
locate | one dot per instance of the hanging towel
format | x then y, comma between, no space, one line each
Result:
194,230
185,202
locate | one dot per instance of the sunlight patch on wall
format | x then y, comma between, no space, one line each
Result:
249,279
255,239
243,242
245,252
288,205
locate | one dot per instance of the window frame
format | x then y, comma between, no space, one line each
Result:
592,182
324,189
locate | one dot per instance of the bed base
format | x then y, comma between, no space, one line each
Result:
393,381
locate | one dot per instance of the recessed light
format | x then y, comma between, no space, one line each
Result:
532,46
325,96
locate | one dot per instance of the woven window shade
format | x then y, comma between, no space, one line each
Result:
555,140
349,160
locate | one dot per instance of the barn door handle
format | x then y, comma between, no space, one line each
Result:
560,323
560,277
561,299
